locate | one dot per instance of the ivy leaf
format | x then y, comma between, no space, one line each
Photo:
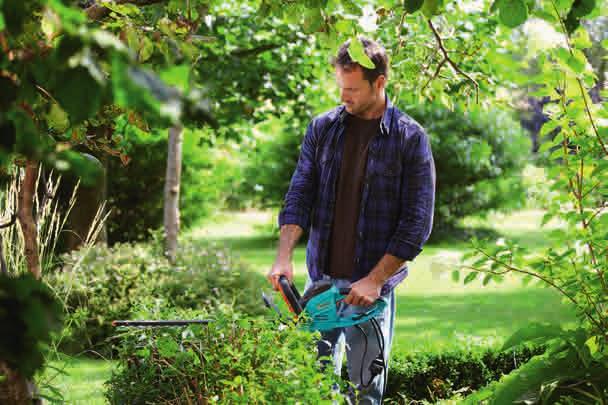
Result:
357,54
411,6
512,13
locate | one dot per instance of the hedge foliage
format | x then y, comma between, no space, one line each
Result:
231,360
108,283
431,377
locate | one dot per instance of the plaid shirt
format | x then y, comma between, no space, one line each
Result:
397,201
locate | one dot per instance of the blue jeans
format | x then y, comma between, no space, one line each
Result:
332,343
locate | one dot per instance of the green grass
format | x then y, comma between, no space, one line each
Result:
80,380
434,313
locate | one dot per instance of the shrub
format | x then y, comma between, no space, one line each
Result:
476,154
439,376
136,191
103,284
231,360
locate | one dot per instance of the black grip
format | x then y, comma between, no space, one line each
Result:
291,295
344,291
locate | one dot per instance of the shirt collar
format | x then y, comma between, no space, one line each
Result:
385,123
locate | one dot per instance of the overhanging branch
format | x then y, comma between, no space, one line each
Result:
446,58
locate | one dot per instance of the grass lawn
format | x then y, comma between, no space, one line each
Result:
80,380
434,313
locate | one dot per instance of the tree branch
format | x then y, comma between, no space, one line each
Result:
98,11
536,275
446,58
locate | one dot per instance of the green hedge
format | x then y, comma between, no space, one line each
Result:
231,360
439,376
103,284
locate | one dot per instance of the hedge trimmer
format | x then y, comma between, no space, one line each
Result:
322,308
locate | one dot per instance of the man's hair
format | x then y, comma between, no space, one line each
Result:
373,50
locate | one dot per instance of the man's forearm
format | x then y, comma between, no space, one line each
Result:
289,236
386,267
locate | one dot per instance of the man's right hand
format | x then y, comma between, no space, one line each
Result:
280,268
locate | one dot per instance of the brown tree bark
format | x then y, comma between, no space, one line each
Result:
14,389
172,185
88,200
26,217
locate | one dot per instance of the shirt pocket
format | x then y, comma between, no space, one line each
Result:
386,185
388,168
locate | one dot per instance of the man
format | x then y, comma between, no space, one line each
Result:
364,187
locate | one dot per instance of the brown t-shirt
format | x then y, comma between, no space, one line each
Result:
357,136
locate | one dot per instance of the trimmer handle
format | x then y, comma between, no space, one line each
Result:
290,295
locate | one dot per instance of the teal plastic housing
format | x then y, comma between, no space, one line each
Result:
327,311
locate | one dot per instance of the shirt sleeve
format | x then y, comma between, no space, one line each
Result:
417,198
302,190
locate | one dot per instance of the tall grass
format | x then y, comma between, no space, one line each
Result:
50,221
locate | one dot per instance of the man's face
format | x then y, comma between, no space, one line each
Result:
356,93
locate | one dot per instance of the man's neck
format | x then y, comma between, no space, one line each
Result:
377,110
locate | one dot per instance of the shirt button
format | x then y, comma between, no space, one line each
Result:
357,260
360,235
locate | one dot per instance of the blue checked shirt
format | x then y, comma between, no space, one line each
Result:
397,201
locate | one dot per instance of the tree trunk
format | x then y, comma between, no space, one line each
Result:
172,185
14,389
88,200
26,217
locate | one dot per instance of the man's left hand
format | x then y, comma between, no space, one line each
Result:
364,292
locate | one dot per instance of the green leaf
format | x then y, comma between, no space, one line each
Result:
78,94
357,54
581,8
344,26
123,9
313,20
577,61
411,6
431,8
455,276
470,277
533,332
581,39
512,13
57,119
486,279
167,347
2,24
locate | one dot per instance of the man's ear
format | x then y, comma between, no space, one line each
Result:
380,82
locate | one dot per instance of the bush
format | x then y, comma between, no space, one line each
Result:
136,191
476,155
103,284
231,360
439,376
